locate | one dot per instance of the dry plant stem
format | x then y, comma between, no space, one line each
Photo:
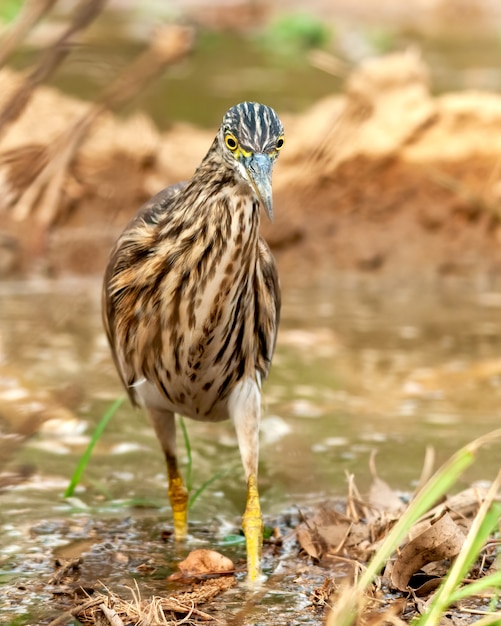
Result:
168,46
51,59
30,14
155,610
427,471
156,606
65,617
353,497
328,63
351,601
64,570
111,615
471,611
49,181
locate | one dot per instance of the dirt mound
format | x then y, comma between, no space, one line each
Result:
385,177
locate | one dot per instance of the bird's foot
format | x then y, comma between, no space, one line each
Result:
252,524
178,497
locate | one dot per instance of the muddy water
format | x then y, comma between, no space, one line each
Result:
225,68
359,368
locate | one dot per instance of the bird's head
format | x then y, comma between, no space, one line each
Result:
250,139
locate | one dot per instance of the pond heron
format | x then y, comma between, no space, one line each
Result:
191,302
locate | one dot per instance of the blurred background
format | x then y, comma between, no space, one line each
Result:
387,236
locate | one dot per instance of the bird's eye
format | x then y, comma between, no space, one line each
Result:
280,143
231,142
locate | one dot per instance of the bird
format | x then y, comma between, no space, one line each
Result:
191,303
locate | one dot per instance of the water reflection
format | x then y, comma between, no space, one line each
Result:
359,368
355,371
226,67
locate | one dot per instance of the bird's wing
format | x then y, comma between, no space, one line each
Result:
121,295
156,206
267,308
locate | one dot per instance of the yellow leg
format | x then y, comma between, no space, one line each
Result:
252,523
178,497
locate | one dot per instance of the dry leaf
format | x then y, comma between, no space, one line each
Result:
460,505
325,532
387,617
202,563
383,498
441,540
430,585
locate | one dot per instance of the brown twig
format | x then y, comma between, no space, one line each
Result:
64,570
63,619
155,610
111,615
168,45
85,13
30,14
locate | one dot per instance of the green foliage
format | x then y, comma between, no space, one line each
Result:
9,9
382,40
204,486
268,532
96,435
189,466
232,540
296,32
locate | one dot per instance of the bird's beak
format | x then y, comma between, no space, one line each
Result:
259,167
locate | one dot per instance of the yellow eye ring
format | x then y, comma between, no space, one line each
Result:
280,143
231,142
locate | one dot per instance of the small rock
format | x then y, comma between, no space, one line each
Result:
203,562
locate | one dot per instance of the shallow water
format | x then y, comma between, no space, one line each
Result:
360,367
225,67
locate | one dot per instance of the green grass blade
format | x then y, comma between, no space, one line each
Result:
189,468
84,459
204,486
10,9
477,587
189,464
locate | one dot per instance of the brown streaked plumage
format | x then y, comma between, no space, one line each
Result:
191,301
